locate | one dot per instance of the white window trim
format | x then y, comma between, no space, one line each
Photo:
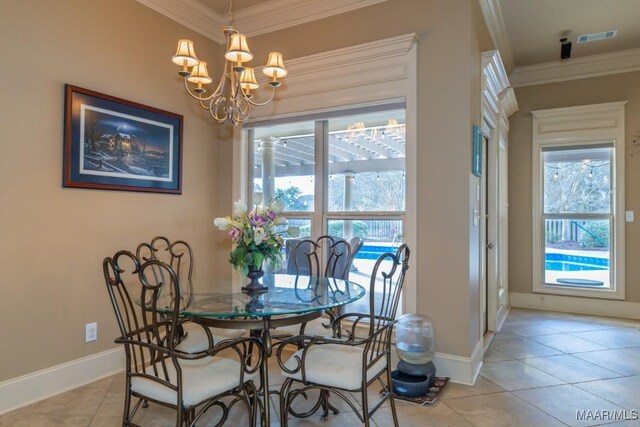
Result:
570,126
371,73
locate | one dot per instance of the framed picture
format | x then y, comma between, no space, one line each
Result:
113,144
476,166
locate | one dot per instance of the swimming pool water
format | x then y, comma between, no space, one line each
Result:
565,262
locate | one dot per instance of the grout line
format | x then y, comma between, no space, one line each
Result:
104,397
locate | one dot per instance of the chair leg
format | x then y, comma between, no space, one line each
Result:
284,402
365,405
392,401
326,405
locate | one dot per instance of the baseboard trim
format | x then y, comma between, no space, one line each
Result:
462,370
24,390
598,307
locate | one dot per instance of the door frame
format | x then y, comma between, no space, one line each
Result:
498,103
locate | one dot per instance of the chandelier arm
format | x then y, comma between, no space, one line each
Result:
259,104
220,88
211,101
219,106
195,95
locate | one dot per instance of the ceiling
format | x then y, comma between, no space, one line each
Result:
526,32
222,6
534,27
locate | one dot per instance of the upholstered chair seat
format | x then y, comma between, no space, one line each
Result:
333,365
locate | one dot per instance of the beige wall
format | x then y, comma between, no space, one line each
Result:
451,35
53,239
618,87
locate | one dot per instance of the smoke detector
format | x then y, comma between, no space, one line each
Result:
586,38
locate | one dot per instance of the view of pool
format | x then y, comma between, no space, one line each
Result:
566,262
373,251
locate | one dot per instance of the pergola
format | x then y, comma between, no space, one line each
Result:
352,150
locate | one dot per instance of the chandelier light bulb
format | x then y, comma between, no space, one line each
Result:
238,50
185,56
248,80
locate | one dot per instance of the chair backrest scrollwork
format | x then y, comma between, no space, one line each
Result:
178,255
304,258
146,314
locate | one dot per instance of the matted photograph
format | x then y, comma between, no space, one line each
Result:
114,144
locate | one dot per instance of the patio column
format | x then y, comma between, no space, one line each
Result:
348,202
268,170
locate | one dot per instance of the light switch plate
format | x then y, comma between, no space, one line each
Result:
91,332
628,215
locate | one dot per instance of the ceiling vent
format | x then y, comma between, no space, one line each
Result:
586,38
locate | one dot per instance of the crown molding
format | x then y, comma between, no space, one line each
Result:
495,79
380,69
508,102
279,14
192,14
495,23
260,19
622,61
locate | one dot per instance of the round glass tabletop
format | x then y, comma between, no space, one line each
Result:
287,294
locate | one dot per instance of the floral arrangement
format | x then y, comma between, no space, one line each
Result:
254,234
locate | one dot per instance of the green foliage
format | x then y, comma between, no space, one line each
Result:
596,234
554,237
291,198
336,228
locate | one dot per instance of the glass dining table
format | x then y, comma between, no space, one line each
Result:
289,300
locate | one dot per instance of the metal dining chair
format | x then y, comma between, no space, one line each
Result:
146,299
352,364
304,258
179,256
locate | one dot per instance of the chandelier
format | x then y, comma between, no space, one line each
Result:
232,100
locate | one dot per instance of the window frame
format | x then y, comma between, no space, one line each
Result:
570,127
394,62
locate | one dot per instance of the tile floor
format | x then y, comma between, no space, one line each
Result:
539,371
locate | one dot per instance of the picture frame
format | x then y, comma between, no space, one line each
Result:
115,144
476,164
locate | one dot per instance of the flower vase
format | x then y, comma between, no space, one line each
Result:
254,275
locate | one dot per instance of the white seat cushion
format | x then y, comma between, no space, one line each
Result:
201,379
334,365
196,340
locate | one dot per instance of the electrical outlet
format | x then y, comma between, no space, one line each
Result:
91,332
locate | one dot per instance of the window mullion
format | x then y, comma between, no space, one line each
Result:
320,177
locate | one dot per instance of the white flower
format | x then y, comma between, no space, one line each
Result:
258,235
257,198
239,208
221,223
277,206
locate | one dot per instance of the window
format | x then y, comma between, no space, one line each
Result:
342,175
578,201
578,219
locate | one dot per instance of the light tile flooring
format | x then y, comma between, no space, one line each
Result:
539,371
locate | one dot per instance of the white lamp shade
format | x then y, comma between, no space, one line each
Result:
199,74
238,49
185,52
275,66
248,79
